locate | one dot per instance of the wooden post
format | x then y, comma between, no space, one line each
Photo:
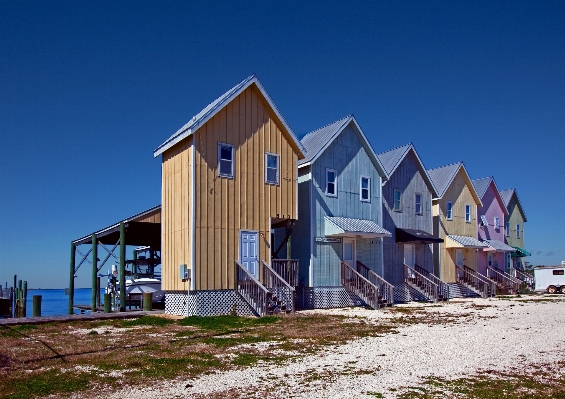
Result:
94,270
122,267
289,243
98,298
147,301
107,303
24,299
72,280
36,312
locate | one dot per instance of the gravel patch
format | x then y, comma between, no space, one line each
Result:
485,334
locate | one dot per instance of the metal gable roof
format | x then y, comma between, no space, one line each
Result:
506,196
467,241
316,142
443,176
218,104
481,187
392,159
352,226
499,246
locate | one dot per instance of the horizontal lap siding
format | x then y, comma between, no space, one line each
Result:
225,206
175,226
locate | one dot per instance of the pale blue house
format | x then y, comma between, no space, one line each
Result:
339,213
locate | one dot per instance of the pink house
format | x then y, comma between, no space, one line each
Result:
490,226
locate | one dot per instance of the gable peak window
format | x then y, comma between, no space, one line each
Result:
365,189
517,231
271,168
397,199
331,182
468,213
496,223
418,203
225,160
507,229
449,210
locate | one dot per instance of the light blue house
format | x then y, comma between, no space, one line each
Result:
339,214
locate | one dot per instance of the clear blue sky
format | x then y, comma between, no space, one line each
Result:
89,89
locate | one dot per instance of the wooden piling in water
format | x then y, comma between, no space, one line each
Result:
36,311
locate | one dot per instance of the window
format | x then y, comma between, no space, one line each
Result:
507,229
468,213
449,210
517,231
418,204
365,189
489,260
271,168
397,200
484,220
225,160
497,223
331,182
558,272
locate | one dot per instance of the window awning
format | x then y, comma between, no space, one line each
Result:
455,241
520,253
416,236
497,246
336,226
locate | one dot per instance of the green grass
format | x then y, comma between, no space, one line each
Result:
226,322
46,383
147,321
233,341
167,367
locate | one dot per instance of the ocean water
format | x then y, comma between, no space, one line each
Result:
56,303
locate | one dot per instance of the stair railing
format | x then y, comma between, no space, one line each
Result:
420,283
356,283
282,291
443,288
386,289
475,281
287,269
502,279
525,277
254,293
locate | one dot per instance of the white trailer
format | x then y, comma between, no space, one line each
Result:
550,279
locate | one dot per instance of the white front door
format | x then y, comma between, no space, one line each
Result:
349,251
459,257
409,255
249,251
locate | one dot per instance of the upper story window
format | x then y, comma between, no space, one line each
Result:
496,223
468,213
225,160
484,222
271,168
365,189
397,199
507,229
418,203
517,231
331,182
449,210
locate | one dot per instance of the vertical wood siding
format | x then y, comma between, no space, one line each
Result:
460,195
175,208
408,178
491,208
225,206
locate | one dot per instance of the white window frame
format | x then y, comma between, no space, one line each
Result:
497,223
468,216
449,210
267,154
517,230
399,209
334,182
421,212
220,145
368,188
507,228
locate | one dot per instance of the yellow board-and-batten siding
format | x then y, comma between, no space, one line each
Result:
460,195
225,206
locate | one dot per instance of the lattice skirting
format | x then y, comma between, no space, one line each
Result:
206,303
457,290
325,298
404,293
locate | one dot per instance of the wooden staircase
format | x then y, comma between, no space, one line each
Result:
526,278
422,284
505,283
442,287
386,290
475,281
355,283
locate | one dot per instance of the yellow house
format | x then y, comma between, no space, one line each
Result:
455,221
229,178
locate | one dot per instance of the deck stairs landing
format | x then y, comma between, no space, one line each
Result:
367,291
475,282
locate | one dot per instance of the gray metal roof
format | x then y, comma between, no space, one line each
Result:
467,241
218,104
316,142
481,185
499,246
506,196
444,175
350,225
392,158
